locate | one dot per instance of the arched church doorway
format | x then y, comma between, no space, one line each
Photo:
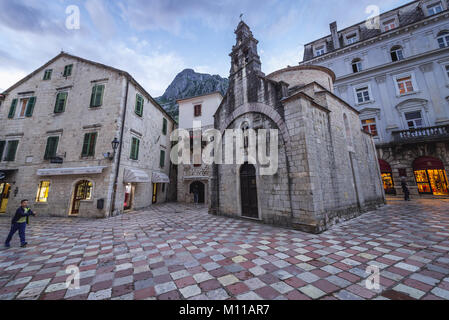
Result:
198,188
248,189
431,176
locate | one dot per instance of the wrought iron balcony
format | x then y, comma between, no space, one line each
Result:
421,134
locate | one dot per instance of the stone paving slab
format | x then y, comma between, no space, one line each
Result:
176,251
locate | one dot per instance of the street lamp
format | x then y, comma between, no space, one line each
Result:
115,144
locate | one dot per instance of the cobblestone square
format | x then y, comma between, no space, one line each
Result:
176,251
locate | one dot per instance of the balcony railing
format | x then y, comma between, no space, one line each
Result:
421,134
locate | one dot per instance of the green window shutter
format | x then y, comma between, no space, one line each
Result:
30,107
47,75
2,148
52,146
84,153
61,100
96,99
90,140
11,152
162,163
12,110
164,126
68,70
139,105
135,145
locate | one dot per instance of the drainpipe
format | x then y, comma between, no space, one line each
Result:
122,132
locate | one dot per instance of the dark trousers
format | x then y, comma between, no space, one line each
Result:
14,228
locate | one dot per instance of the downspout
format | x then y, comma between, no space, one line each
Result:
122,132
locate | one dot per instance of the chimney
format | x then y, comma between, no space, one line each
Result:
334,34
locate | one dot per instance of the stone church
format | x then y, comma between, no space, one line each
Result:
328,168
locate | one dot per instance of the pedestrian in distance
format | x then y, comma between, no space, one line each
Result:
19,223
405,189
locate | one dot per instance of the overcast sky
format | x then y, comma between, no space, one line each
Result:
156,39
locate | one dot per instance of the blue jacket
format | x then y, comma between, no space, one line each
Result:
20,213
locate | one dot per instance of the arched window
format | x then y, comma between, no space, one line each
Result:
347,130
245,128
397,53
443,39
357,65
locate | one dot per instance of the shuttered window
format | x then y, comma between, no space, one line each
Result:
47,74
198,110
12,110
30,107
96,99
61,101
52,146
90,140
162,160
164,126
2,149
68,70
11,150
139,105
135,145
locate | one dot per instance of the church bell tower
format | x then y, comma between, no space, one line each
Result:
244,53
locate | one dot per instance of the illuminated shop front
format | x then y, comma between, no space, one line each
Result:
431,176
387,177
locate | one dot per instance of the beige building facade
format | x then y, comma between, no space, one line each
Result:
196,112
82,139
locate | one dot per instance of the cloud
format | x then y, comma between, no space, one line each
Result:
101,17
27,16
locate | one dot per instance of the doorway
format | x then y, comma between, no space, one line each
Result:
200,188
82,192
5,190
248,190
129,196
154,193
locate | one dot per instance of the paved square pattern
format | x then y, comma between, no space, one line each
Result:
176,251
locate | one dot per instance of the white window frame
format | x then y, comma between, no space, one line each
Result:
349,38
445,38
414,83
359,64
388,22
434,5
376,122
424,123
319,49
402,52
361,86
19,106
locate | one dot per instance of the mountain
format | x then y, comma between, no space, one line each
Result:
189,84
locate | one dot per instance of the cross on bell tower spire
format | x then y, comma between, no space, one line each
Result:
244,53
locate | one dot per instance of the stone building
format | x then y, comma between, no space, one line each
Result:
196,112
78,138
395,71
328,169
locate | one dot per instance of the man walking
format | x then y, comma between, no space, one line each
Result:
19,223
405,189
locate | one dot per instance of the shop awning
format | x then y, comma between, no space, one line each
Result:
428,163
384,166
159,177
136,176
70,171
